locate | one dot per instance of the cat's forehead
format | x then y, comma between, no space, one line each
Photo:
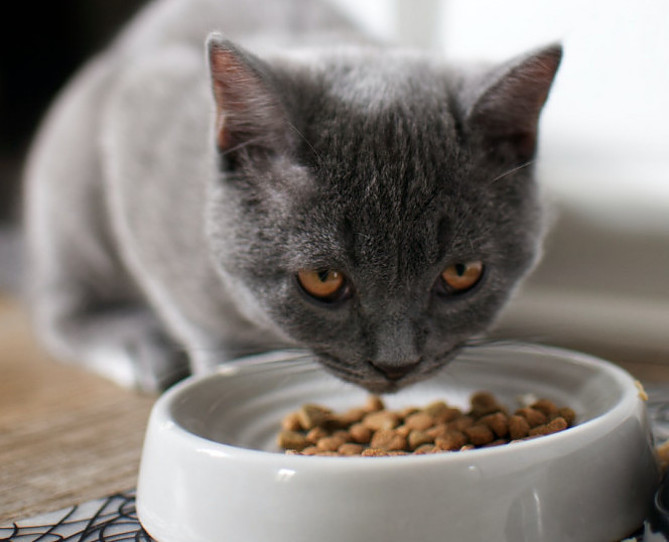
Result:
383,78
383,184
386,140
361,110
385,150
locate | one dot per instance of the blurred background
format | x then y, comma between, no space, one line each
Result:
603,284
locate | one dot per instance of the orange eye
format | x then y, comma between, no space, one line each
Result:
323,284
462,276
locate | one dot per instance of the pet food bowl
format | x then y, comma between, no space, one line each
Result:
211,470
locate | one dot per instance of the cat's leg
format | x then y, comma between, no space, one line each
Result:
84,304
86,311
125,343
86,308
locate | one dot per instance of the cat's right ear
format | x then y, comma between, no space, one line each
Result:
505,112
248,112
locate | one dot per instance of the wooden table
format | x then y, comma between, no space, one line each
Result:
66,436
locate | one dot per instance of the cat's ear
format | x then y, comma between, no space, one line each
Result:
506,112
248,111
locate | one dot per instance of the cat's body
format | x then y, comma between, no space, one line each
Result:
177,193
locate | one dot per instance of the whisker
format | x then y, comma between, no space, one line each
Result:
303,138
490,341
239,351
247,143
474,347
511,171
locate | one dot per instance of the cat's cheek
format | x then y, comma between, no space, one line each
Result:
309,323
255,301
452,323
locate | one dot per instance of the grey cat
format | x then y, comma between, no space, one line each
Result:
189,201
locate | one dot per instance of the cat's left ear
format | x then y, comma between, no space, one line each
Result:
506,112
248,111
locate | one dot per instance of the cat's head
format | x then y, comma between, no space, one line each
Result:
376,207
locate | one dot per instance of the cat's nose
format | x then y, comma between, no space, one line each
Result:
395,370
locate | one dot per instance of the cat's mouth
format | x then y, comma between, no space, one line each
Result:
376,379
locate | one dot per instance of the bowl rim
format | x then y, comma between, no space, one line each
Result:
601,424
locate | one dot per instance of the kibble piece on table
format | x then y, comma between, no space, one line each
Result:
372,430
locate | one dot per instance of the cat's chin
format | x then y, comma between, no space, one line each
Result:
381,385
370,379
375,386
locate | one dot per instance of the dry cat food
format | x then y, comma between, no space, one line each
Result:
373,430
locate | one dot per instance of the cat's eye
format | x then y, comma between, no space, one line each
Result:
323,284
462,276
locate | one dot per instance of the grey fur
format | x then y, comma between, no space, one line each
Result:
153,251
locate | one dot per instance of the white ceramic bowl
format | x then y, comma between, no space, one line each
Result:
211,472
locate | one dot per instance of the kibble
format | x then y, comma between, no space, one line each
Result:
291,422
519,427
360,433
479,434
372,430
533,417
292,440
437,431
315,434
555,425
461,423
419,421
423,449
451,441
374,403
387,439
350,448
484,402
330,444
382,419
417,438
547,407
374,452
568,414
351,416
403,430
311,416
498,423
